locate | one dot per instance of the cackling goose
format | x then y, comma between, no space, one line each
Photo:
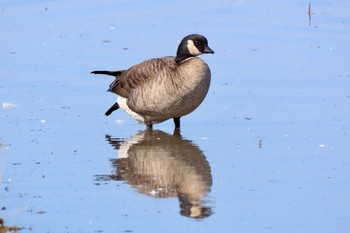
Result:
162,88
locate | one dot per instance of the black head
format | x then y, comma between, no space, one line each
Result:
191,46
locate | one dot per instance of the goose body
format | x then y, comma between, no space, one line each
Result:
163,88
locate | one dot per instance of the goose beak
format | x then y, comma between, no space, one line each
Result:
208,50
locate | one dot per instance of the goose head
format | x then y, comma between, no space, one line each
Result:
191,46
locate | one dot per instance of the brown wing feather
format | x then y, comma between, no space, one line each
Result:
139,74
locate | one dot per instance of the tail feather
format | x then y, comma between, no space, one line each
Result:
112,109
112,73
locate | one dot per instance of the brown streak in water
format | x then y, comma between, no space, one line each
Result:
309,14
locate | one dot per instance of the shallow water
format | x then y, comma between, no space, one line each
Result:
267,151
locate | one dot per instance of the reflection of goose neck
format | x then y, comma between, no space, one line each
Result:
193,208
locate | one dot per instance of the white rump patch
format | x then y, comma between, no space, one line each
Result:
192,48
122,104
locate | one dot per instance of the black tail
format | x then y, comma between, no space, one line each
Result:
112,73
112,109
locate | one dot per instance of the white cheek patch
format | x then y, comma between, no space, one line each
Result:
192,48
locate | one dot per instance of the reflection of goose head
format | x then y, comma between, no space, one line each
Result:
163,165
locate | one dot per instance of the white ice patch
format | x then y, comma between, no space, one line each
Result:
119,122
6,105
153,192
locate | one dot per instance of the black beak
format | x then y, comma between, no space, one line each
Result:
208,50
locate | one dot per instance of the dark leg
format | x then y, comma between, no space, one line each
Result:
177,122
149,125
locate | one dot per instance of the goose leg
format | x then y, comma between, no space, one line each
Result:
149,125
177,122
177,132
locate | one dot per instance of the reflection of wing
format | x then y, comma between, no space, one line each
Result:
162,165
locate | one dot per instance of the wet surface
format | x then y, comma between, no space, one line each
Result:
267,151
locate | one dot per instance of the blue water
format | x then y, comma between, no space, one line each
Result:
268,149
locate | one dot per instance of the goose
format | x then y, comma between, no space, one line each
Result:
159,89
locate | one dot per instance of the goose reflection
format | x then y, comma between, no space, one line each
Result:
163,165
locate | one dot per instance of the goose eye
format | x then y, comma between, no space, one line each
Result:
197,42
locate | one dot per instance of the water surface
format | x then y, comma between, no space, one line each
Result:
267,151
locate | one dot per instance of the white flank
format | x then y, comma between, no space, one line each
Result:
122,104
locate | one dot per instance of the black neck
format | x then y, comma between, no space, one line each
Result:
182,53
181,58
